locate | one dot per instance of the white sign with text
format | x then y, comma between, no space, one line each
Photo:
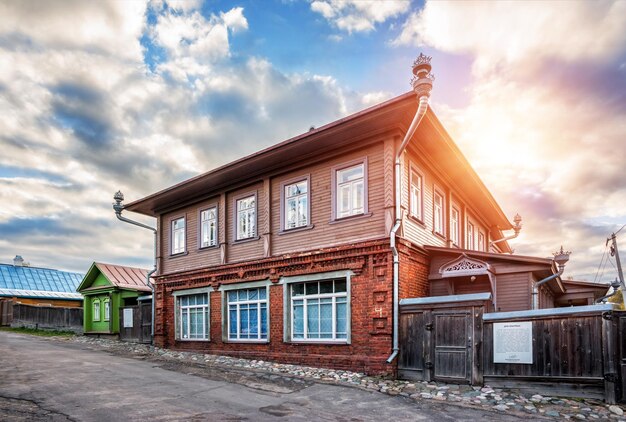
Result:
128,318
513,342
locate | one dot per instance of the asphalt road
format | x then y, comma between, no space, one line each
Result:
44,379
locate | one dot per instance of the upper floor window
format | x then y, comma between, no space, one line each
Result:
454,226
208,227
296,203
178,235
481,241
438,212
416,198
350,188
246,217
470,236
247,314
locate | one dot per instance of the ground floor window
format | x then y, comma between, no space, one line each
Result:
107,310
193,316
247,314
319,310
96,309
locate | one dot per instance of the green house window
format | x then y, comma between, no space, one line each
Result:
96,310
107,310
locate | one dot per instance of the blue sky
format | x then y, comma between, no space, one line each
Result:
108,95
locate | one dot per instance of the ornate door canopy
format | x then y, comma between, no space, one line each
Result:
464,266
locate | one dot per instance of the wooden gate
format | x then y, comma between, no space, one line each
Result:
135,323
440,338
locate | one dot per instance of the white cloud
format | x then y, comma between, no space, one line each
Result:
519,32
85,117
358,15
234,19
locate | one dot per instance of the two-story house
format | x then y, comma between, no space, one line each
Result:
288,254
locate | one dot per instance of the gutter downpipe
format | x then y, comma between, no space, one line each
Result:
422,83
118,207
517,228
615,285
560,258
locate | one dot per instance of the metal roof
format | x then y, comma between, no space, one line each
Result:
118,276
38,279
446,299
40,294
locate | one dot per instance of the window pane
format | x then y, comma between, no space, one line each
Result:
297,289
341,324
358,199
298,319
254,321
313,318
344,200
262,293
326,318
351,173
232,328
311,288
232,296
253,294
243,295
326,287
340,286
185,323
244,321
263,321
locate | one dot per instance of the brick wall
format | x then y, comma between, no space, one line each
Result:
371,305
414,269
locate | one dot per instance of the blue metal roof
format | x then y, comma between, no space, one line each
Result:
41,279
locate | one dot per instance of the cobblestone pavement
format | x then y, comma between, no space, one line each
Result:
485,398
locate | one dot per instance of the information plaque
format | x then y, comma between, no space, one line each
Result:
513,342
128,318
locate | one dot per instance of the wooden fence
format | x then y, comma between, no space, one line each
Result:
576,351
46,317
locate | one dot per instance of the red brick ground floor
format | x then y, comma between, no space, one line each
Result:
330,307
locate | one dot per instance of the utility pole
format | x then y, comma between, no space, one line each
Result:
619,267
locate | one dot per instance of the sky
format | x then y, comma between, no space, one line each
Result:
132,95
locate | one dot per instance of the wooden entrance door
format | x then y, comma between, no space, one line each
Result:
452,346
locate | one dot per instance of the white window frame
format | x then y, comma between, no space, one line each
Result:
284,200
470,236
107,309
351,184
439,213
95,308
416,194
455,218
226,303
178,312
250,212
205,224
182,247
288,319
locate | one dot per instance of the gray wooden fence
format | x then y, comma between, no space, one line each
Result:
47,317
576,351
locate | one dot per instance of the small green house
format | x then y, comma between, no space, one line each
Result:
106,288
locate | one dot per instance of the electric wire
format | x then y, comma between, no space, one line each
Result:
595,279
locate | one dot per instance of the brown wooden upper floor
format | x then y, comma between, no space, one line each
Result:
330,186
